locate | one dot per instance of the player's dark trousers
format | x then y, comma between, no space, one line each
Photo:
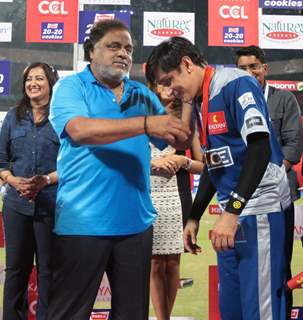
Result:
26,237
78,266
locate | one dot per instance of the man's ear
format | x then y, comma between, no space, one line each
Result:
91,53
265,68
187,63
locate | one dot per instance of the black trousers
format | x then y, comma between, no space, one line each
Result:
289,241
78,266
26,237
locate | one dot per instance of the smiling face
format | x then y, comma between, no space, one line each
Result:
184,82
111,57
36,86
254,66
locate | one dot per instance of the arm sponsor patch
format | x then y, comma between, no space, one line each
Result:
246,99
253,121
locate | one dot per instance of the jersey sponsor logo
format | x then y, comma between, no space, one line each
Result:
253,121
217,123
246,99
218,158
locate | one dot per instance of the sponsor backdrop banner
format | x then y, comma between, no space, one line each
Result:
51,21
281,32
232,23
286,85
159,26
5,67
281,4
88,18
5,31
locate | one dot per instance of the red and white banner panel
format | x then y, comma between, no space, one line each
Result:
51,21
232,23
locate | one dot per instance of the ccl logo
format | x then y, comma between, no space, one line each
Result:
235,12
53,7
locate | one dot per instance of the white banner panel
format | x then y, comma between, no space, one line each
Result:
159,26
281,32
5,31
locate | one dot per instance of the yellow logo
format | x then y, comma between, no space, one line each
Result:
237,204
215,120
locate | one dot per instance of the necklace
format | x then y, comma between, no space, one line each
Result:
118,91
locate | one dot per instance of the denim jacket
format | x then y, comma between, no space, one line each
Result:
28,149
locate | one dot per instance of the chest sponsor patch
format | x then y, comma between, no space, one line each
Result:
217,123
218,158
246,99
254,121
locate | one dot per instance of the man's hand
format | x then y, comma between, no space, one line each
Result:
190,236
167,127
224,230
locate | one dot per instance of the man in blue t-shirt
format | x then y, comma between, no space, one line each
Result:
245,168
104,213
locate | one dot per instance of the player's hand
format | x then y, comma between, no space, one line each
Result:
190,236
224,230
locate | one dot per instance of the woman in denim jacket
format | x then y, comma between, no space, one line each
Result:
28,153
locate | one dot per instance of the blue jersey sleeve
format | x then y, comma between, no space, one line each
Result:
247,105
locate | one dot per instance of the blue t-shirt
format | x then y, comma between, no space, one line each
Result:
103,189
237,108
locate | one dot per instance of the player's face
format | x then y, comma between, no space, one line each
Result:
182,83
254,66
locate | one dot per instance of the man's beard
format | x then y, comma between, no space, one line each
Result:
110,73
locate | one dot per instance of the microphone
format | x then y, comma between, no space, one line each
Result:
295,282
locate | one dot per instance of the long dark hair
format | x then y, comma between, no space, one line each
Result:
51,75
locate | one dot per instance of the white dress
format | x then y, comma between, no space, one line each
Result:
168,228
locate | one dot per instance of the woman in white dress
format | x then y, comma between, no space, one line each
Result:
168,228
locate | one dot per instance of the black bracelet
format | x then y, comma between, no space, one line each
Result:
145,126
234,205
